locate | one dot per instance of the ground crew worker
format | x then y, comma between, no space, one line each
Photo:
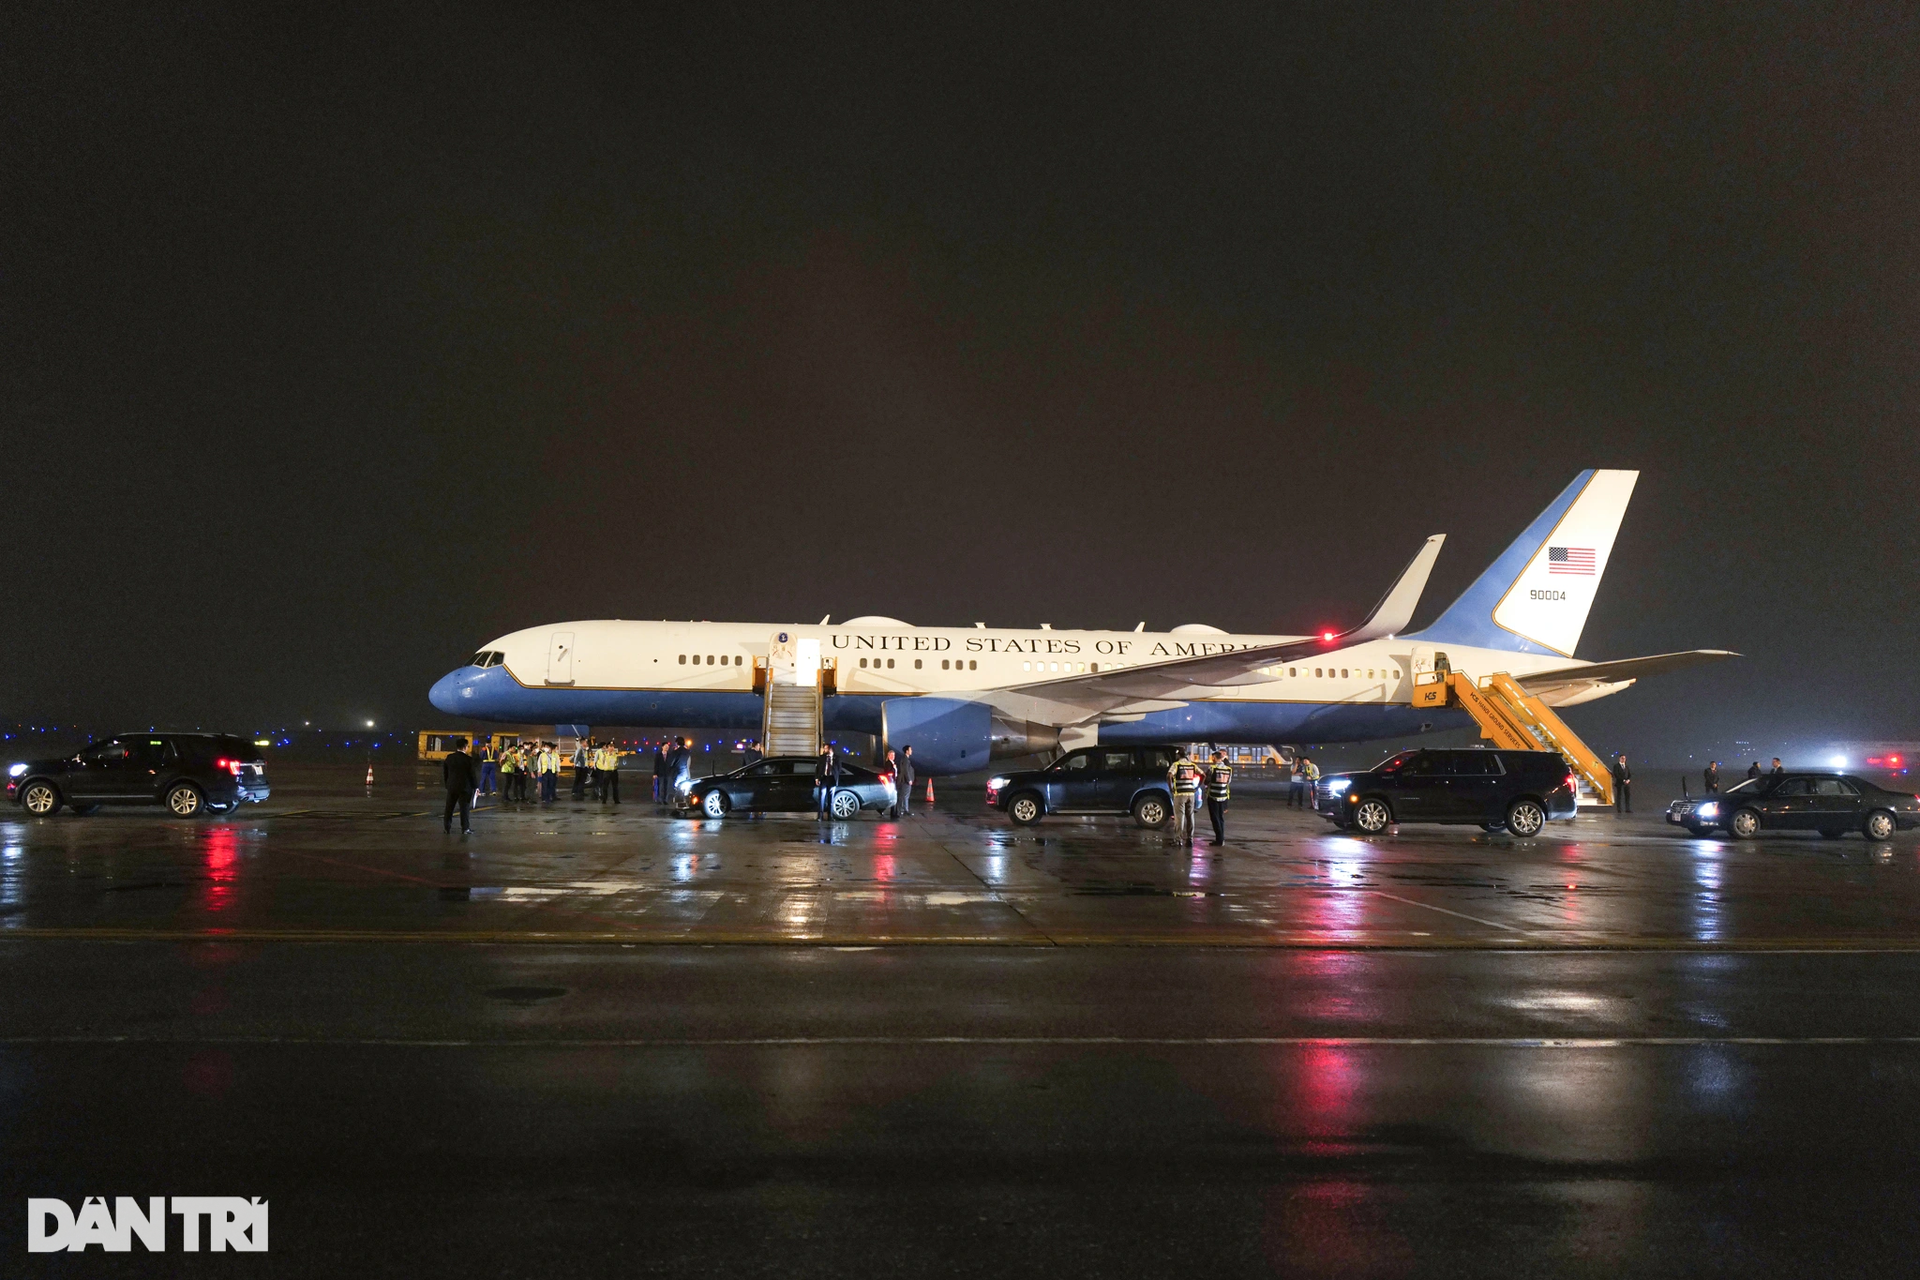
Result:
1622,784
1219,791
583,749
549,773
607,773
1297,785
508,767
489,767
1712,777
1183,779
523,783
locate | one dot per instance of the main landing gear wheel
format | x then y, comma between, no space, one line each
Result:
846,805
1371,817
1150,812
185,801
41,799
1880,825
1525,818
714,803
1025,810
1744,825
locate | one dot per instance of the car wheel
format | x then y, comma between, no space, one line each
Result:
714,803
1525,818
1880,825
1025,809
1150,811
846,805
1744,824
82,810
1372,817
185,801
41,799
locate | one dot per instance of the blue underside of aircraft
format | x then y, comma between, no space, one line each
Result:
490,693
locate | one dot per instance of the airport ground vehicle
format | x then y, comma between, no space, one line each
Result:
1520,791
190,773
785,784
1830,803
1093,780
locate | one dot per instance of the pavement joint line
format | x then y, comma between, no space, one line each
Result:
1035,940
1491,924
779,1042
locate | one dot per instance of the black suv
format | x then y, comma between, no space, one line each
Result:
190,773
1091,780
1517,790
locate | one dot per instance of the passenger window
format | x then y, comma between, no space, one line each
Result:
1476,764
916,664
1292,673
889,664
683,659
943,664
1077,763
1343,674
1318,674
1791,787
1156,758
863,662
1423,764
1832,787
1116,761
972,665
762,770
1094,666
1026,666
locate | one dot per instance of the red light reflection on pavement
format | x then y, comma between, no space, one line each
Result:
223,865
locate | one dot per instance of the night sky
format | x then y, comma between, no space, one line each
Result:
338,345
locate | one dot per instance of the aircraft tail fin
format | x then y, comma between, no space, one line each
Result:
1535,597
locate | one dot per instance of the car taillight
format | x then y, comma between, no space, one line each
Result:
231,766
887,778
1572,783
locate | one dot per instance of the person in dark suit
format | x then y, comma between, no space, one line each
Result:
753,754
826,779
660,774
461,779
903,781
1712,777
1622,785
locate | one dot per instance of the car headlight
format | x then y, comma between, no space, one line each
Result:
1338,785
685,784
15,770
994,784
1706,811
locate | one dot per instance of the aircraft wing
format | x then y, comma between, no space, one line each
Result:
1624,669
1077,699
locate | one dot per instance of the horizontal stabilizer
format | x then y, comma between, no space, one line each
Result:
1624,669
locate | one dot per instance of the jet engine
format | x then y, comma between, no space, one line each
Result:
952,735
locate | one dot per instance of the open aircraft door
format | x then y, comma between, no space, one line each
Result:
560,658
1429,680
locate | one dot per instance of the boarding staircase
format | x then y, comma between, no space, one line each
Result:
793,682
1514,719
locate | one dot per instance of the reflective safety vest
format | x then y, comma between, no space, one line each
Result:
1219,780
1184,777
509,762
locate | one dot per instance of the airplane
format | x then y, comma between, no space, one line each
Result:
964,697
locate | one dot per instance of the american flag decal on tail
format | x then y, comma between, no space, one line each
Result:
1570,560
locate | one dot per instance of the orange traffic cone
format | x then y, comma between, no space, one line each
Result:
369,775
929,793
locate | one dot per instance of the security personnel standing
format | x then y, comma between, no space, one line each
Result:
826,779
1712,777
549,773
1219,791
903,781
489,767
753,754
583,750
1183,779
1622,784
461,779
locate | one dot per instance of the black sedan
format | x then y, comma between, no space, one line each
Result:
1830,803
784,784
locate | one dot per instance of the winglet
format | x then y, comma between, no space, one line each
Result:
1395,610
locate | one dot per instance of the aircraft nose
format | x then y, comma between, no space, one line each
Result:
445,694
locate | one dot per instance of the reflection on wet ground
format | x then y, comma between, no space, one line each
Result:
586,1041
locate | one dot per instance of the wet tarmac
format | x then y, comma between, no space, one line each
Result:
594,1042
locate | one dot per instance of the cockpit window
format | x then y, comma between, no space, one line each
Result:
488,658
